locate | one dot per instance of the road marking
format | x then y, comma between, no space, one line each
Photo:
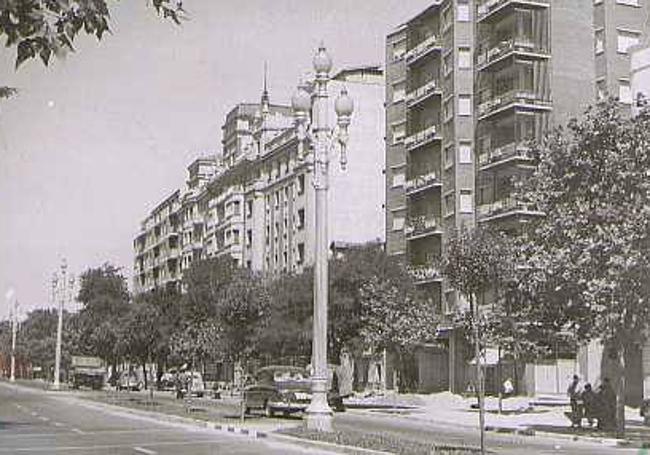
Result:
143,450
58,424
34,413
85,449
77,430
43,418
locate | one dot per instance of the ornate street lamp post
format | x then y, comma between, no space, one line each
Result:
64,288
310,108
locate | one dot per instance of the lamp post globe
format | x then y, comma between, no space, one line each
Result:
300,102
322,61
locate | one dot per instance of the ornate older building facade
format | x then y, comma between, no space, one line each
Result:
255,202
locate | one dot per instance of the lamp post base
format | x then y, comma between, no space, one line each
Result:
56,386
318,416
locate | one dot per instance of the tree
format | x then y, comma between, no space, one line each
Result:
589,257
473,264
138,335
288,332
348,273
40,28
105,299
168,319
236,300
394,319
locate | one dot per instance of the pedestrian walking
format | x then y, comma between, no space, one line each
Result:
575,399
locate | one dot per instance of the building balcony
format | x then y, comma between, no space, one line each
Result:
421,226
520,47
505,208
514,99
422,49
423,93
421,138
424,273
508,153
493,9
422,182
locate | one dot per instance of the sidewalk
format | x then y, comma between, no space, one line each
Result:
517,416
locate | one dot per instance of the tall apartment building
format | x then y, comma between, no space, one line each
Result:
468,84
619,25
256,203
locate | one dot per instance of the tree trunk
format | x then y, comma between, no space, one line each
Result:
618,382
144,374
479,370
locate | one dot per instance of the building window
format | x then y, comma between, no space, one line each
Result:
626,40
466,203
464,105
599,41
399,49
398,223
301,184
449,204
301,219
301,253
624,92
399,92
249,238
448,63
465,153
398,180
601,91
464,58
398,131
449,156
462,12
448,109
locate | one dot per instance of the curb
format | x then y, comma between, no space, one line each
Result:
311,443
612,442
170,418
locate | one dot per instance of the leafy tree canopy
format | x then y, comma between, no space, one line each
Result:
41,28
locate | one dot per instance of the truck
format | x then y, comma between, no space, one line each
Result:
87,372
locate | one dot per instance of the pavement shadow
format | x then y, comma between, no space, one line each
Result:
8,424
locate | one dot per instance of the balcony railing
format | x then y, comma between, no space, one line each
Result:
421,225
420,138
487,7
424,273
508,46
503,153
422,93
504,207
497,103
421,182
421,49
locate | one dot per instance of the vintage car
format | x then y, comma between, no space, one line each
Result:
129,380
283,389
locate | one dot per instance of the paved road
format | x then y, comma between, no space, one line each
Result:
38,422
450,433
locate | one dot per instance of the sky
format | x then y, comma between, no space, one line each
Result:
94,141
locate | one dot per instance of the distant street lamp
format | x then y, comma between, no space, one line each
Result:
13,317
61,287
310,109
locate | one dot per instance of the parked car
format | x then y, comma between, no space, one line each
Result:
129,380
190,382
283,389
167,381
